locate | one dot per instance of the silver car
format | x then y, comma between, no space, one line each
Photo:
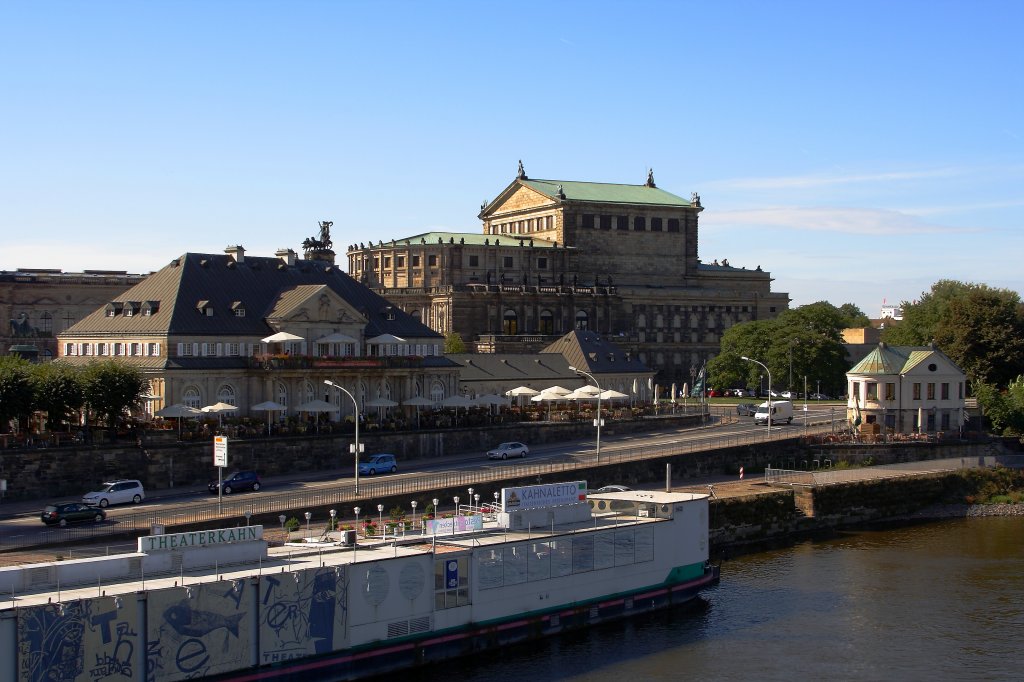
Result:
506,450
116,492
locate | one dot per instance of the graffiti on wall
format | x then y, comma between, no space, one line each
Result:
302,613
199,630
75,641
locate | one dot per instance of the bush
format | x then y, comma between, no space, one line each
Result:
292,524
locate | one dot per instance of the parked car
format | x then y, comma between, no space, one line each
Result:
746,410
116,492
237,482
71,512
378,464
614,488
506,450
819,396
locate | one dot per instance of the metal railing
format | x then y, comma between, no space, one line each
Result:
344,494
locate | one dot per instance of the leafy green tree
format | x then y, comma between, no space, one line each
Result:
807,339
15,390
1004,410
983,332
112,389
57,390
853,316
453,343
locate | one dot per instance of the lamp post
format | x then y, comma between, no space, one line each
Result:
496,496
380,520
309,515
355,447
456,498
597,422
769,372
282,518
413,503
248,515
470,498
334,517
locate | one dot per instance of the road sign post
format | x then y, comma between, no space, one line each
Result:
220,460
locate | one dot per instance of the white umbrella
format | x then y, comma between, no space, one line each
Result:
521,390
672,394
417,401
612,395
587,390
178,410
336,337
491,399
456,401
545,397
219,409
317,406
381,402
281,337
557,389
268,406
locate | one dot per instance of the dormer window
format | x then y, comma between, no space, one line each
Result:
113,308
150,307
205,308
238,309
389,313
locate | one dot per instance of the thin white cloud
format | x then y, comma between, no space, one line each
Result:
824,180
827,219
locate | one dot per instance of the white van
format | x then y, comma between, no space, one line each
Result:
782,411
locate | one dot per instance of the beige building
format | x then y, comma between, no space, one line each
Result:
558,255
198,328
38,304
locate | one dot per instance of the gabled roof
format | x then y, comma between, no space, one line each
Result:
586,350
256,283
894,360
541,369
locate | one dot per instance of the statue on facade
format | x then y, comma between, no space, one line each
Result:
522,172
21,326
650,178
324,242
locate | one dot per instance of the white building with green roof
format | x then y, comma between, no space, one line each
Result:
906,389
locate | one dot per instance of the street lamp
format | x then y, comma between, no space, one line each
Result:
334,516
757,362
413,503
380,513
470,498
597,422
456,498
309,515
282,518
355,448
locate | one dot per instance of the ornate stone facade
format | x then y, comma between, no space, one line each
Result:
555,255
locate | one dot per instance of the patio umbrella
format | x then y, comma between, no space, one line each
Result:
557,389
219,409
281,337
316,407
417,401
456,401
381,402
612,395
521,391
269,406
546,397
177,410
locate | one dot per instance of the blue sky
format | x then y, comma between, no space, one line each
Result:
858,151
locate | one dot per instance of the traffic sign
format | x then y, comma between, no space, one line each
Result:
220,451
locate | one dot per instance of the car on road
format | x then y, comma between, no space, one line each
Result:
116,492
237,482
378,464
819,396
506,450
746,410
614,488
63,513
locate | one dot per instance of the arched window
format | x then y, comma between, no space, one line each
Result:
436,391
510,322
547,322
46,323
282,393
582,320
192,397
309,391
226,394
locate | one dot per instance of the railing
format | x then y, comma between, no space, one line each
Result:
830,476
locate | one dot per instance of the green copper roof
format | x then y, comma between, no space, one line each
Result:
606,192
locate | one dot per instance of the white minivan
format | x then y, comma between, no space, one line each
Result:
782,411
116,492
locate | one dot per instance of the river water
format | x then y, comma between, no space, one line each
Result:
943,600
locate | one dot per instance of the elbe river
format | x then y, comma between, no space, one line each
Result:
936,601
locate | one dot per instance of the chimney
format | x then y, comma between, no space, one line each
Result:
286,255
236,252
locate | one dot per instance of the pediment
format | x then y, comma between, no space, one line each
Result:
315,304
516,198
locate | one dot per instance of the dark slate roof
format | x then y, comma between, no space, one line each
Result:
540,370
586,350
259,284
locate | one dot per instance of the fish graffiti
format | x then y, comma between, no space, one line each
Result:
194,623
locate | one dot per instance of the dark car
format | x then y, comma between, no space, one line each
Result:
746,410
237,482
613,488
71,512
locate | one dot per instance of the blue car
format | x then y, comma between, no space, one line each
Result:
378,464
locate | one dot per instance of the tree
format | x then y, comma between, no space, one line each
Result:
853,316
15,390
977,326
57,390
112,389
453,343
1004,410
